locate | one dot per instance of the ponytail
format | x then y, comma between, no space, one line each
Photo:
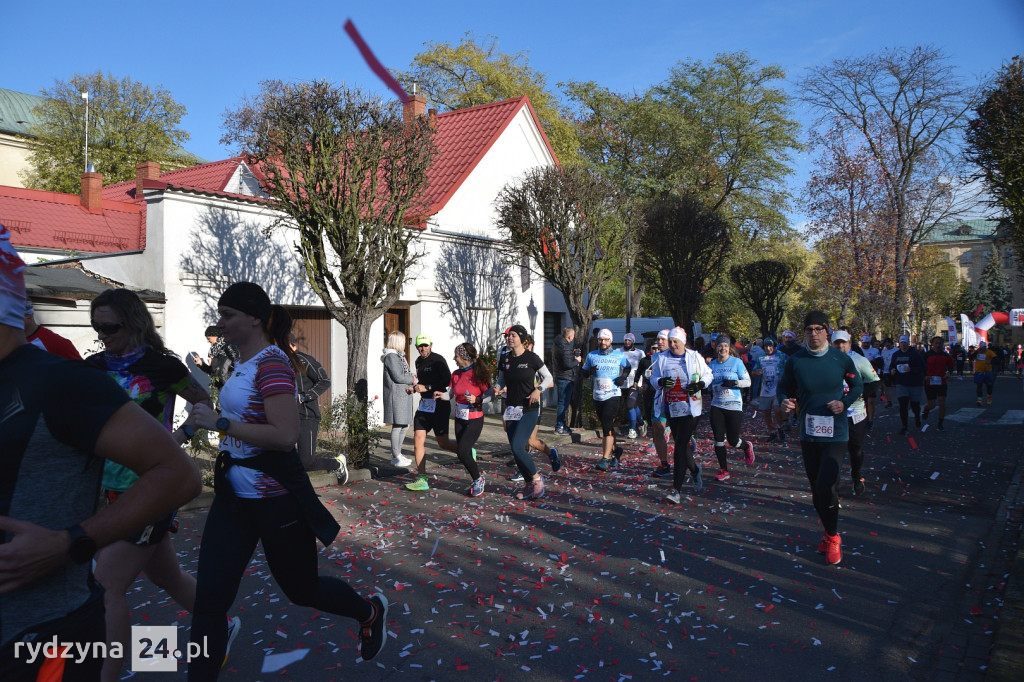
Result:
279,329
481,372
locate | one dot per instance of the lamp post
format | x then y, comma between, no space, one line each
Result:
85,96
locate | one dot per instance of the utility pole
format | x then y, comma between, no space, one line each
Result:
85,96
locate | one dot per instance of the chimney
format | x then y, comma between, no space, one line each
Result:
414,107
147,170
92,192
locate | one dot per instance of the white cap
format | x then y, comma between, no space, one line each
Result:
866,338
678,333
629,337
840,335
605,334
663,334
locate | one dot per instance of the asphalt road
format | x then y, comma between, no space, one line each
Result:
603,580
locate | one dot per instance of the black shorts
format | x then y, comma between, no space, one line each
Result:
154,532
607,410
436,421
933,392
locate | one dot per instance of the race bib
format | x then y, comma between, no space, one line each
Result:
604,385
678,409
821,426
902,369
858,417
427,405
513,414
461,411
935,381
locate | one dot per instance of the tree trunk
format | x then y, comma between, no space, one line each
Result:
357,327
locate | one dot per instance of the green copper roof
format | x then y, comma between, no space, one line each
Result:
960,230
16,111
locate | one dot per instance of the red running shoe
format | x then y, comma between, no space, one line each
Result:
833,549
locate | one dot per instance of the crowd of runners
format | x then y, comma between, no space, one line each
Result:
65,567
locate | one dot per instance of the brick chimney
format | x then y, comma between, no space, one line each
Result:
414,107
92,192
147,170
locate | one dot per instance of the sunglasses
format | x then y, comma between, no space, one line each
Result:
107,329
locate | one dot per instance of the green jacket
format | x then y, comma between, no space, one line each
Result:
816,381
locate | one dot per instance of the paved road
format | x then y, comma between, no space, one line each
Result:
603,580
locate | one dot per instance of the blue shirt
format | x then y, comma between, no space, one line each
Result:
607,366
728,398
770,367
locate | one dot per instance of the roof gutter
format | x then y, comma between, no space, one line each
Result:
75,259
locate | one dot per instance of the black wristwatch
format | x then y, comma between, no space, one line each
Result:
82,546
223,424
189,430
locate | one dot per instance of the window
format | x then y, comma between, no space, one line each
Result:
966,258
1008,260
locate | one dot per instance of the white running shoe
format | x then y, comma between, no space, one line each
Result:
401,462
234,625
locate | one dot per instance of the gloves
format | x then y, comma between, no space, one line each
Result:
619,381
694,387
729,383
666,382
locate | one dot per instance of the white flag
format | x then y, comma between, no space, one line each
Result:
970,336
951,328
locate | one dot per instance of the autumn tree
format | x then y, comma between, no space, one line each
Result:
995,143
565,222
129,122
344,170
471,73
903,108
763,286
933,289
685,246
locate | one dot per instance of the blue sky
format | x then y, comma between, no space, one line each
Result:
210,54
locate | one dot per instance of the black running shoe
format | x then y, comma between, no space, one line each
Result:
372,632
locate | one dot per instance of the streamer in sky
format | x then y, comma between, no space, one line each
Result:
373,62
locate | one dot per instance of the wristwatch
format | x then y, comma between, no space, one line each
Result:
223,424
82,546
189,430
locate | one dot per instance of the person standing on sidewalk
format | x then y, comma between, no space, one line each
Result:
434,411
610,369
313,383
857,413
907,369
517,380
727,405
825,383
565,362
398,381
680,375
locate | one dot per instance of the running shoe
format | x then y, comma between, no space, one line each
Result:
562,431
234,625
833,549
823,545
722,475
516,477
858,487
693,444
631,434
533,491
556,461
402,462
673,497
698,482
606,463
979,402
664,471
341,473
477,489
421,483
990,400
616,453
748,452
372,632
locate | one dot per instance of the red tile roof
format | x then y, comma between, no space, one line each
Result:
51,220
209,178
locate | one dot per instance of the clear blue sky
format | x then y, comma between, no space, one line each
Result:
210,54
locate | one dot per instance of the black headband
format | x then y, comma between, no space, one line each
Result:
248,298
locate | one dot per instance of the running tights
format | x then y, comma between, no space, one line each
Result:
822,462
725,425
519,433
682,458
467,431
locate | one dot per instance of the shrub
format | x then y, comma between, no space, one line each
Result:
349,425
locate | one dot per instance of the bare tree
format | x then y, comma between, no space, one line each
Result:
763,286
905,107
684,246
344,169
565,222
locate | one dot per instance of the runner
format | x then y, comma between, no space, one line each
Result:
262,493
857,413
62,419
135,358
888,348
680,375
45,338
907,367
535,444
984,377
817,378
610,368
789,345
727,404
645,394
960,356
938,364
768,369
517,381
630,388
471,388
659,418
432,414
874,356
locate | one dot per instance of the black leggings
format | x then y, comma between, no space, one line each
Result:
308,430
467,431
725,425
233,527
682,458
822,462
856,446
